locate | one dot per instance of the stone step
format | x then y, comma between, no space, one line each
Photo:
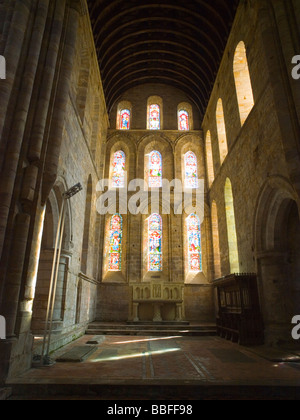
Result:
208,333
160,329
150,326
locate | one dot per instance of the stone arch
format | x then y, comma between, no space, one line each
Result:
52,212
186,143
149,276
277,236
243,82
186,106
125,144
203,276
147,145
155,100
114,276
121,106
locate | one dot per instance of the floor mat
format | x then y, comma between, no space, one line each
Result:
231,356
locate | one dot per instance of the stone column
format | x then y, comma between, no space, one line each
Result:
12,52
178,312
157,312
135,307
60,104
16,136
275,297
14,274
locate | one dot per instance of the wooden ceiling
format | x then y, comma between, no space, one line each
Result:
174,42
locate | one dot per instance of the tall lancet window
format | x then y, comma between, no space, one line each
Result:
155,243
155,170
154,117
194,243
183,120
115,243
118,170
191,170
124,119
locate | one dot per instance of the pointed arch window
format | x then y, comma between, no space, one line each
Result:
115,243
221,127
194,243
154,117
183,120
125,119
243,82
155,170
231,229
155,243
191,170
118,170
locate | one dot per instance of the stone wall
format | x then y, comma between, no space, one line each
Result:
136,144
257,150
55,113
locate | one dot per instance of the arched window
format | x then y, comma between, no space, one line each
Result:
194,243
191,170
216,239
209,160
118,170
124,115
231,229
155,170
183,120
124,119
221,131
243,82
115,243
154,117
155,243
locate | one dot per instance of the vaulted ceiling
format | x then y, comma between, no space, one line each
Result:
174,42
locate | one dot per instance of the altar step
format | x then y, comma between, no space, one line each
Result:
152,329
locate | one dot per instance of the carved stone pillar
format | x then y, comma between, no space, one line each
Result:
135,307
157,312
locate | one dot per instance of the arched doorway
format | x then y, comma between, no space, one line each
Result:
53,206
278,259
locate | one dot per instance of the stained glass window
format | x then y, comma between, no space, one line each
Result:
155,243
154,117
191,170
183,120
118,174
155,170
115,243
194,243
124,119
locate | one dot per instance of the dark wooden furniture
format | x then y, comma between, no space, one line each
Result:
239,316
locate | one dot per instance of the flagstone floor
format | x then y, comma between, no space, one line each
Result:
205,359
